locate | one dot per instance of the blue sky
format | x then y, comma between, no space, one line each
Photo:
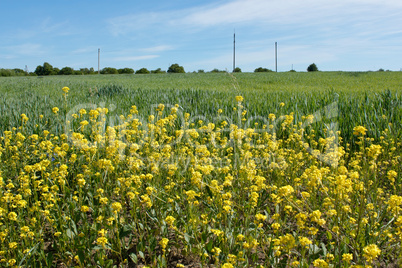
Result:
348,35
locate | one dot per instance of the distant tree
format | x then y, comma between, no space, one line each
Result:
312,68
176,68
380,70
126,71
109,70
201,71
237,70
142,71
5,72
48,69
45,69
19,72
84,71
39,70
158,71
292,71
91,70
216,71
262,70
66,71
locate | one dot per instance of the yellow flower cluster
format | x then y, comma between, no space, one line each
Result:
232,195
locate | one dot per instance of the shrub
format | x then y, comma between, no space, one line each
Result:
158,71
312,68
262,70
237,70
176,68
142,71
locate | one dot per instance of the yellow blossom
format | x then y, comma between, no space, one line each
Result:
239,98
371,252
359,130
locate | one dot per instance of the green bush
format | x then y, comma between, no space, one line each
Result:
312,68
176,68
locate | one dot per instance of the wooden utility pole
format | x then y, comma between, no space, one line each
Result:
98,60
276,56
234,51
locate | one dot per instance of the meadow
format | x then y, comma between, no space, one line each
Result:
201,170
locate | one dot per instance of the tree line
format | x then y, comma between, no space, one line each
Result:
48,69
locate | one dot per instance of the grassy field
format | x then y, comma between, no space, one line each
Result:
201,170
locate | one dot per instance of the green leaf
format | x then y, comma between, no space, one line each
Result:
70,234
187,238
125,230
81,255
329,235
208,191
209,246
133,257
141,254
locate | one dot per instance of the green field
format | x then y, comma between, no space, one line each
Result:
201,170
362,98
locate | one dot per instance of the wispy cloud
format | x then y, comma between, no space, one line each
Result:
135,58
43,28
264,13
27,49
85,50
154,49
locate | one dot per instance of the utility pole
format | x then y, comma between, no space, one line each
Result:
276,56
98,60
234,51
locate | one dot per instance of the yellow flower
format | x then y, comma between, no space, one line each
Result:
81,182
164,243
84,209
227,265
371,252
12,245
170,220
359,130
240,237
101,241
65,89
12,216
260,217
239,98
56,234
55,110
116,206
347,257
103,200
281,104
102,232
24,118
320,263
275,226
304,242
